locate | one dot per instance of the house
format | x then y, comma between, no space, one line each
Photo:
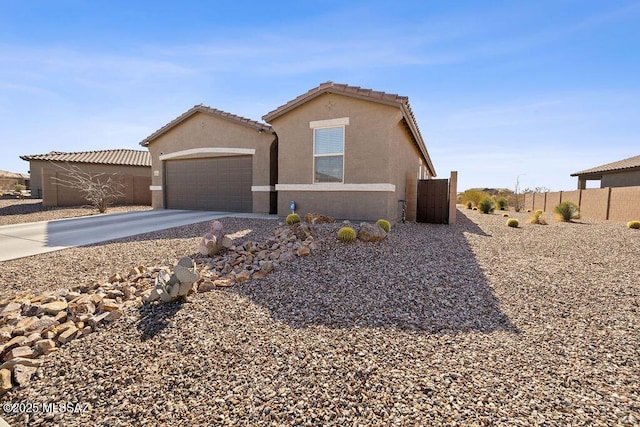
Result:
9,180
213,160
345,151
338,150
623,173
133,167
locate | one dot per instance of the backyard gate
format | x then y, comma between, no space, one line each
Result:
433,201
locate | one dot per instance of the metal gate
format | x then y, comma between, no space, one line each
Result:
433,201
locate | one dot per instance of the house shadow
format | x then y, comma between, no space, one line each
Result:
423,278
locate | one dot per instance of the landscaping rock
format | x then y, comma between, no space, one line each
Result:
371,232
314,218
54,307
5,381
23,374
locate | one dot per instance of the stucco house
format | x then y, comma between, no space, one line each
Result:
623,173
133,167
345,151
338,150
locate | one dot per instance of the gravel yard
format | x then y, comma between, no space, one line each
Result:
14,211
473,324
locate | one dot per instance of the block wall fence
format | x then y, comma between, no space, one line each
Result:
611,203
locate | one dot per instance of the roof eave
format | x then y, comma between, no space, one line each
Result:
408,117
204,110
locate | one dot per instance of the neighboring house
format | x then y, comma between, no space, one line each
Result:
337,150
623,173
344,151
212,160
133,168
9,180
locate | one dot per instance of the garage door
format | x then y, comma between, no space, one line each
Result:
218,184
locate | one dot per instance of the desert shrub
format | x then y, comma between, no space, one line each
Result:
536,218
502,203
469,204
634,224
347,235
473,196
512,222
486,205
384,224
293,218
567,211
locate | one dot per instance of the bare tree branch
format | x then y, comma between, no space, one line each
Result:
99,189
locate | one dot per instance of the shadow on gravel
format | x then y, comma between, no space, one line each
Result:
22,207
154,318
423,278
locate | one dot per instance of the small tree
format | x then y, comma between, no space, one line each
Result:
100,189
19,188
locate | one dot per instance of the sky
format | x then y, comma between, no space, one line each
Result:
502,91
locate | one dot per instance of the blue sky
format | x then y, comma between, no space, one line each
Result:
500,89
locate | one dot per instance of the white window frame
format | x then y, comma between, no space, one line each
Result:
328,124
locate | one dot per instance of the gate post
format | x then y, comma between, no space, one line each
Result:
453,196
411,195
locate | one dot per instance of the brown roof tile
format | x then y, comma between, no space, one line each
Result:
122,157
207,110
401,102
631,162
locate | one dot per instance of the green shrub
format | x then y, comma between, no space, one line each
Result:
486,205
502,203
384,224
347,235
473,196
469,204
634,224
567,211
293,218
512,222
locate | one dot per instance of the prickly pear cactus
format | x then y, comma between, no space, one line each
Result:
170,286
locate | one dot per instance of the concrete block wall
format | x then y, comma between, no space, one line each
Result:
624,204
612,203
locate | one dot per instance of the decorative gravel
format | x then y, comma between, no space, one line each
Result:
472,324
15,211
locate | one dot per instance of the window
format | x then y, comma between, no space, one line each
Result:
328,154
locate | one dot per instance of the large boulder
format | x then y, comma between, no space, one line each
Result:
371,232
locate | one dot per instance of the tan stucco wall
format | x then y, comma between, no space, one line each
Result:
136,180
620,179
378,150
209,131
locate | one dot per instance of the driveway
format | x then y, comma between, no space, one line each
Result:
21,240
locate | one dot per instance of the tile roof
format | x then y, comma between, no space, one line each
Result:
630,163
207,110
326,87
122,157
367,94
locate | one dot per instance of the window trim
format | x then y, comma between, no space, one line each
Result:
328,124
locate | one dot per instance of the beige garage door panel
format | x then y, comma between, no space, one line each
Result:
219,184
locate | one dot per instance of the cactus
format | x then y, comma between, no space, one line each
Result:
384,224
293,218
512,222
172,286
634,224
505,215
502,203
347,235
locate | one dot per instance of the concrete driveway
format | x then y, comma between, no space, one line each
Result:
21,240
